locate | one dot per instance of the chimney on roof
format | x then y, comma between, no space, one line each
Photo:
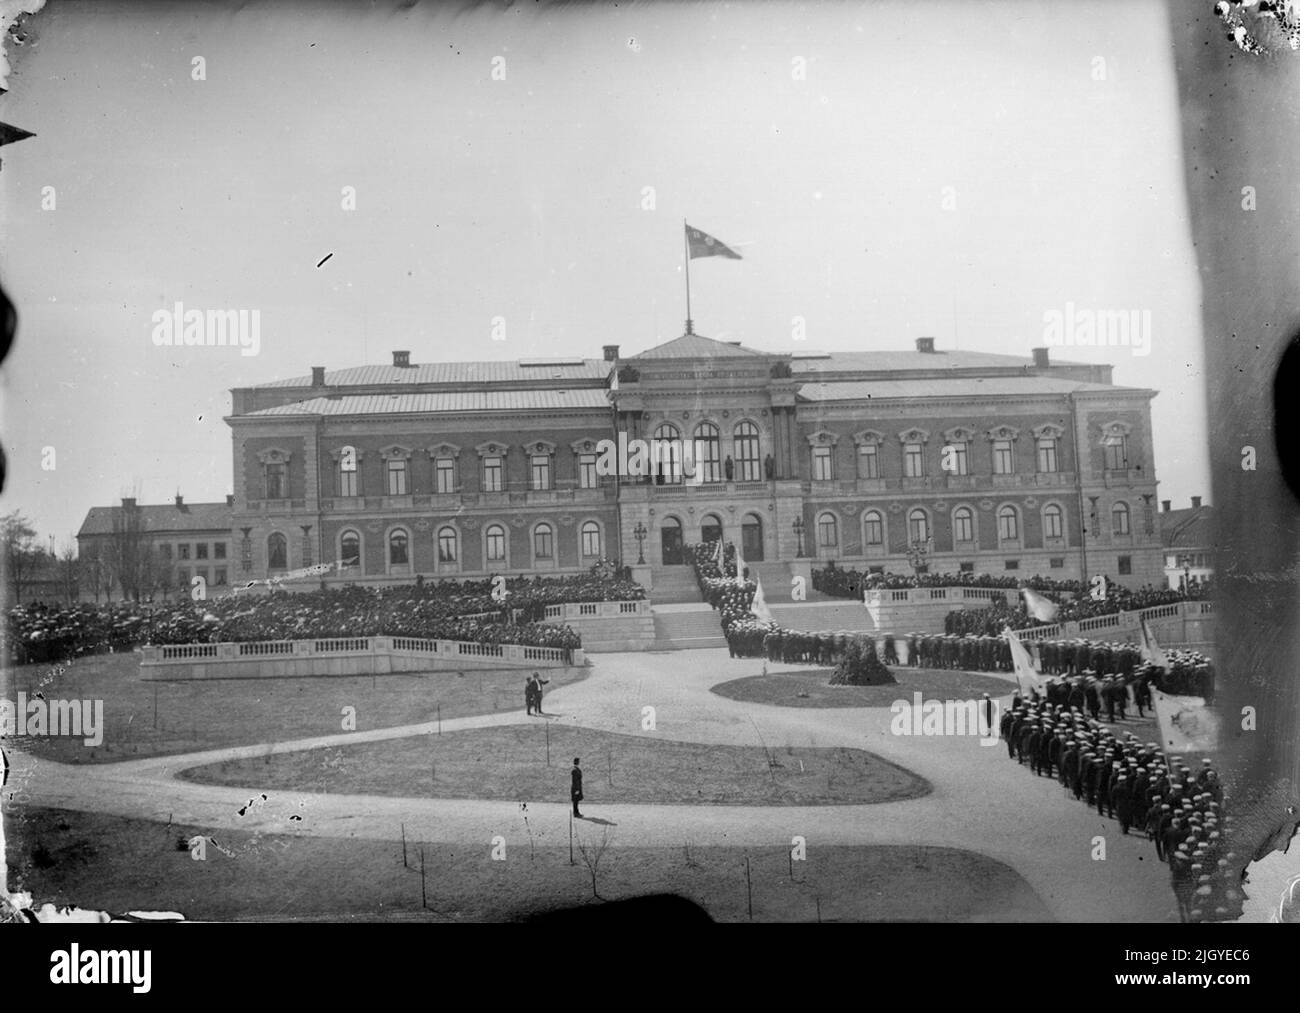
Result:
128,502
1041,360
180,502
611,353
736,343
1165,506
402,359
925,345
230,499
318,376
1196,502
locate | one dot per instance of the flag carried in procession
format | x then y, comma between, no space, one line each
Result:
1187,725
1151,651
1026,677
759,607
1042,609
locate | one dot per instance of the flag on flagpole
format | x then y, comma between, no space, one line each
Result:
1151,651
1042,609
717,554
759,607
1187,725
740,567
701,244
1026,677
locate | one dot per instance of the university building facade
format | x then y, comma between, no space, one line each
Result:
925,458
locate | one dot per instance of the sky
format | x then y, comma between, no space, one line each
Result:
887,171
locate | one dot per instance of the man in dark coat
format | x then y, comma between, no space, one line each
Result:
575,787
530,698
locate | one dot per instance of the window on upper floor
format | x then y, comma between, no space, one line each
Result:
868,461
590,539
708,452
201,550
349,481
1047,455
396,470
963,524
543,542
822,464
873,528
540,471
828,531
1119,519
1053,522
749,463
183,550
493,477
448,545
587,476
1004,461
1116,452
444,474
276,485
1008,524
913,460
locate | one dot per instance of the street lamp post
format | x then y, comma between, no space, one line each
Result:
639,532
798,531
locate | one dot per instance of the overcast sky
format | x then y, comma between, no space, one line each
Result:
1053,124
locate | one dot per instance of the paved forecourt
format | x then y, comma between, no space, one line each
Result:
980,801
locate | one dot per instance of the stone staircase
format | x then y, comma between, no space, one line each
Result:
683,627
674,585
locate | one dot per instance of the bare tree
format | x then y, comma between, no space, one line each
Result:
130,555
69,568
22,554
591,855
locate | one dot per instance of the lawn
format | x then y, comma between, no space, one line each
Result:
509,763
813,689
148,718
117,864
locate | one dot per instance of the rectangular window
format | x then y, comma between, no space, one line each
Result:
821,459
913,460
348,482
957,459
543,547
183,550
966,568
1004,462
219,550
201,550
1125,565
541,471
587,477
275,484
1057,562
1047,455
444,474
868,461
1011,564
874,529
183,577
219,576
492,478
396,478
1116,453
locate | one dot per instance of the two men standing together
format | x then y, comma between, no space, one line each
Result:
533,693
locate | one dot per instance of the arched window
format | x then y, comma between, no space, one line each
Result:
543,542
495,542
873,528
963,524
708,453
749,464
666,455
277,552
1119,519
918,526
350,548
448,545
398,548
1053,522
1008,524
828,531
710,528
590,539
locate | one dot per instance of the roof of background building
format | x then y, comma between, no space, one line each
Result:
957,386
459,372
697,346
162,518
909,359
443,401
1189,528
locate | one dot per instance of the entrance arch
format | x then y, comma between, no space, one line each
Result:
751,538
670,542
710,528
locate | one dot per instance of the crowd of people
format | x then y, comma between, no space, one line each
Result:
1116,599
484,611
841,583
1178,810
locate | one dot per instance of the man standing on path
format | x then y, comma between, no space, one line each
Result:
538,683
575,787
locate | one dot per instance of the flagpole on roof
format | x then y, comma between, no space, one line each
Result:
686,249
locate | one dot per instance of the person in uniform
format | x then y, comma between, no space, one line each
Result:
575,786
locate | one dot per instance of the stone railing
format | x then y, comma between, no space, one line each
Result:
597,610
340,656
1094,627
926,595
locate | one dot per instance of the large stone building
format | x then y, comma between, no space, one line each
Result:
1187,536
940,459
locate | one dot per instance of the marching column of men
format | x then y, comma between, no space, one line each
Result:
1133,783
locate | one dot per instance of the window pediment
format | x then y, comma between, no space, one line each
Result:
443,450
492,449
1003,433
959,434
395,453
1048,431
585,446
823,438
274,455
1113,432
538,447
357,455
914,435
868,438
